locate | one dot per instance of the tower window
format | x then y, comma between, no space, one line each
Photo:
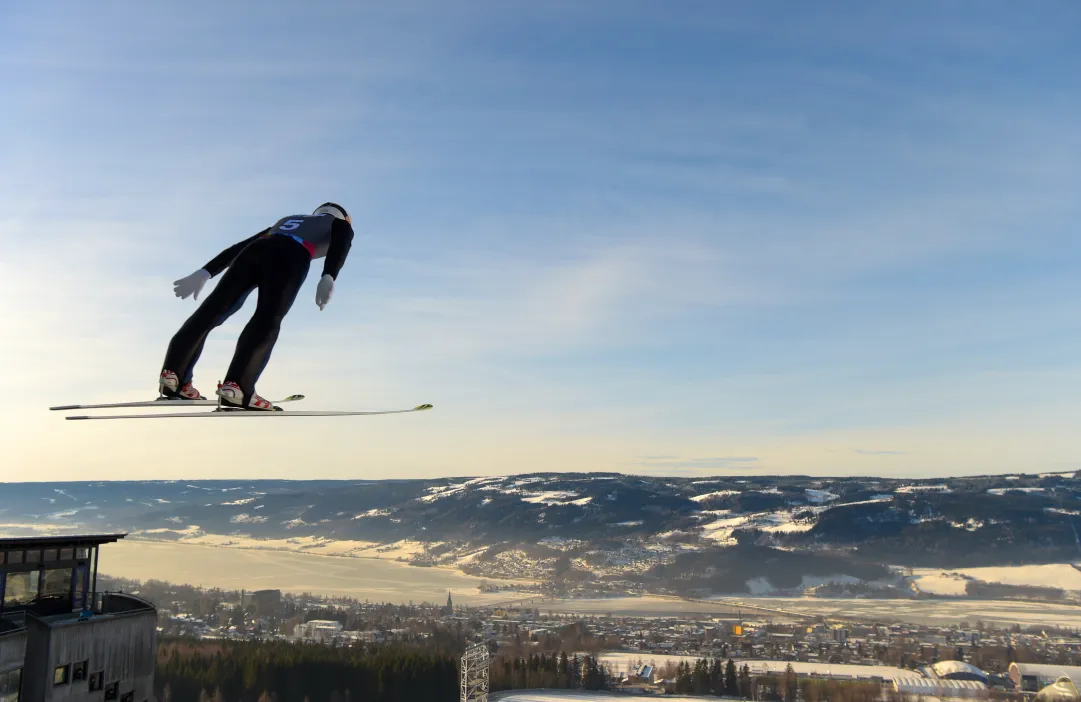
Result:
9,685
21,587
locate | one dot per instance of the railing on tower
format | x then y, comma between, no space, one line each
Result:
475,674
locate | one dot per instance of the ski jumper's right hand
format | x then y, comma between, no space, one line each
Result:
192,284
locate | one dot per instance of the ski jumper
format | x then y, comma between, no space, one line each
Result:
275,262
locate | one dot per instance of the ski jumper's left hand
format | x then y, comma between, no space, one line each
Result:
324,290
341,240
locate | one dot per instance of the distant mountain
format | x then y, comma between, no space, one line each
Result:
630,532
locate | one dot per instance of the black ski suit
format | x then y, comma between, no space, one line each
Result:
275,261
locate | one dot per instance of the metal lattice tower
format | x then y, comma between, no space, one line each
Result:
475,674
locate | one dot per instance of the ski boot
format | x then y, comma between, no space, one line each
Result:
231,397
169,388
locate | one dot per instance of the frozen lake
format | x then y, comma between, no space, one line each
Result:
391,581
255,569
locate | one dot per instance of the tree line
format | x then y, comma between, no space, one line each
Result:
712,677
250,671
540,670
277,671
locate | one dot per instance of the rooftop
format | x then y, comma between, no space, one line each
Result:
112,605
14,542
1048,670
944,668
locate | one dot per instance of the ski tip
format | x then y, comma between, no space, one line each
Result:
421,408
64,407
77,416
292,398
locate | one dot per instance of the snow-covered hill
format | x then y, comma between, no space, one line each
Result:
622,532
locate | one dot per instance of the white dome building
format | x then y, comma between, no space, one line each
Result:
958,670
1062,690
932,687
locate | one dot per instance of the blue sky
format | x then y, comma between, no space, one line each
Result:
686,238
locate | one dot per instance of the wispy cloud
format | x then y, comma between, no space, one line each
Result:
878,452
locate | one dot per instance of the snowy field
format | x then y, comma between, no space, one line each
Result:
720,530
568,695
937,582
912,611
931,611
1060,575
952,582
623,661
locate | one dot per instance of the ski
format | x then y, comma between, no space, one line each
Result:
250,413
161,402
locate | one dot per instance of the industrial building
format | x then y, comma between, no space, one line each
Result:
1033,677
957,670
62,640
1062,690
321,630
266,603
940,687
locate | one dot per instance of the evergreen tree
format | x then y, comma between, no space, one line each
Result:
574,673
593,677
789,684
700,677
683,678
744,680
731,685
716,677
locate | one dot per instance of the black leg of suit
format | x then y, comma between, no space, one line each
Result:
227,297
276,266
283,266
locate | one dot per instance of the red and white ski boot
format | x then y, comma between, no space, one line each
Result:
232,397
169,388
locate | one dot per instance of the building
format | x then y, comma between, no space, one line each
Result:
266,603
643,674
62,640
321,630
827,671
958,670
1033,677
938,688
1062,690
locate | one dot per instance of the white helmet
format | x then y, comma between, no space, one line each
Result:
333,209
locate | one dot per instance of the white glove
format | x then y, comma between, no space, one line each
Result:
192,284
324,290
